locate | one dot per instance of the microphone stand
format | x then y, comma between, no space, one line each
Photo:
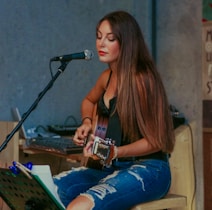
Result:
34,105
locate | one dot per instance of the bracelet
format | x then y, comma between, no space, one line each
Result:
112,155
115,152
86,118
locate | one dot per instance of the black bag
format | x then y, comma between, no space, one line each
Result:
65,129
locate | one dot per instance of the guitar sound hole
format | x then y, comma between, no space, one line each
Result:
101,129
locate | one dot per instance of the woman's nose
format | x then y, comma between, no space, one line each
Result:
102,42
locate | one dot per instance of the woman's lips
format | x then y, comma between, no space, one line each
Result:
102,53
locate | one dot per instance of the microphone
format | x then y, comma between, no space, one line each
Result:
86,54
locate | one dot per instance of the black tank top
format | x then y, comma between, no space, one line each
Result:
113,127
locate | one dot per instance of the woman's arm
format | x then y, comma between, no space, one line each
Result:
87,108
137,148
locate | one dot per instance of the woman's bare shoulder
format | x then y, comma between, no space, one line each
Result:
103,78
105,73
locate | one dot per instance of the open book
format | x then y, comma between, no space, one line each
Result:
43,174
20,192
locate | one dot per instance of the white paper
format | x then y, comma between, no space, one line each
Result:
45,175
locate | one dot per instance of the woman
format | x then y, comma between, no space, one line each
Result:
131,99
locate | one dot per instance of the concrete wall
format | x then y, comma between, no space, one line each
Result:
179,61
34,31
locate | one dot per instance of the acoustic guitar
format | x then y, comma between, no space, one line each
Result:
101,146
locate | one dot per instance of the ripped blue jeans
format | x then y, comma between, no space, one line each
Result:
121,186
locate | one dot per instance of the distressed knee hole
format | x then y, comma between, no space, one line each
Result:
139,178
90,197
102,190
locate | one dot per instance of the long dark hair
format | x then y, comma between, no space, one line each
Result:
142,103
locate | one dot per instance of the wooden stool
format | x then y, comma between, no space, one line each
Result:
181,195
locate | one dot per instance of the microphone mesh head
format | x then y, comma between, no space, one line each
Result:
88,54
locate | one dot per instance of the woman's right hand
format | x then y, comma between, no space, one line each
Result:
82,133
88,149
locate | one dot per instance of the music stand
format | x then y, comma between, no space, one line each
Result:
22,193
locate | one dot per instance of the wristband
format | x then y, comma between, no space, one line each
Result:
112,156
86,118
115,152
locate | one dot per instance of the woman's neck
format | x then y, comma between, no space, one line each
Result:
113,67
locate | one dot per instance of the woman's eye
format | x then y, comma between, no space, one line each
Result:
111,38
98,36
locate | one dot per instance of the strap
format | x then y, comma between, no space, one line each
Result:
108,79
